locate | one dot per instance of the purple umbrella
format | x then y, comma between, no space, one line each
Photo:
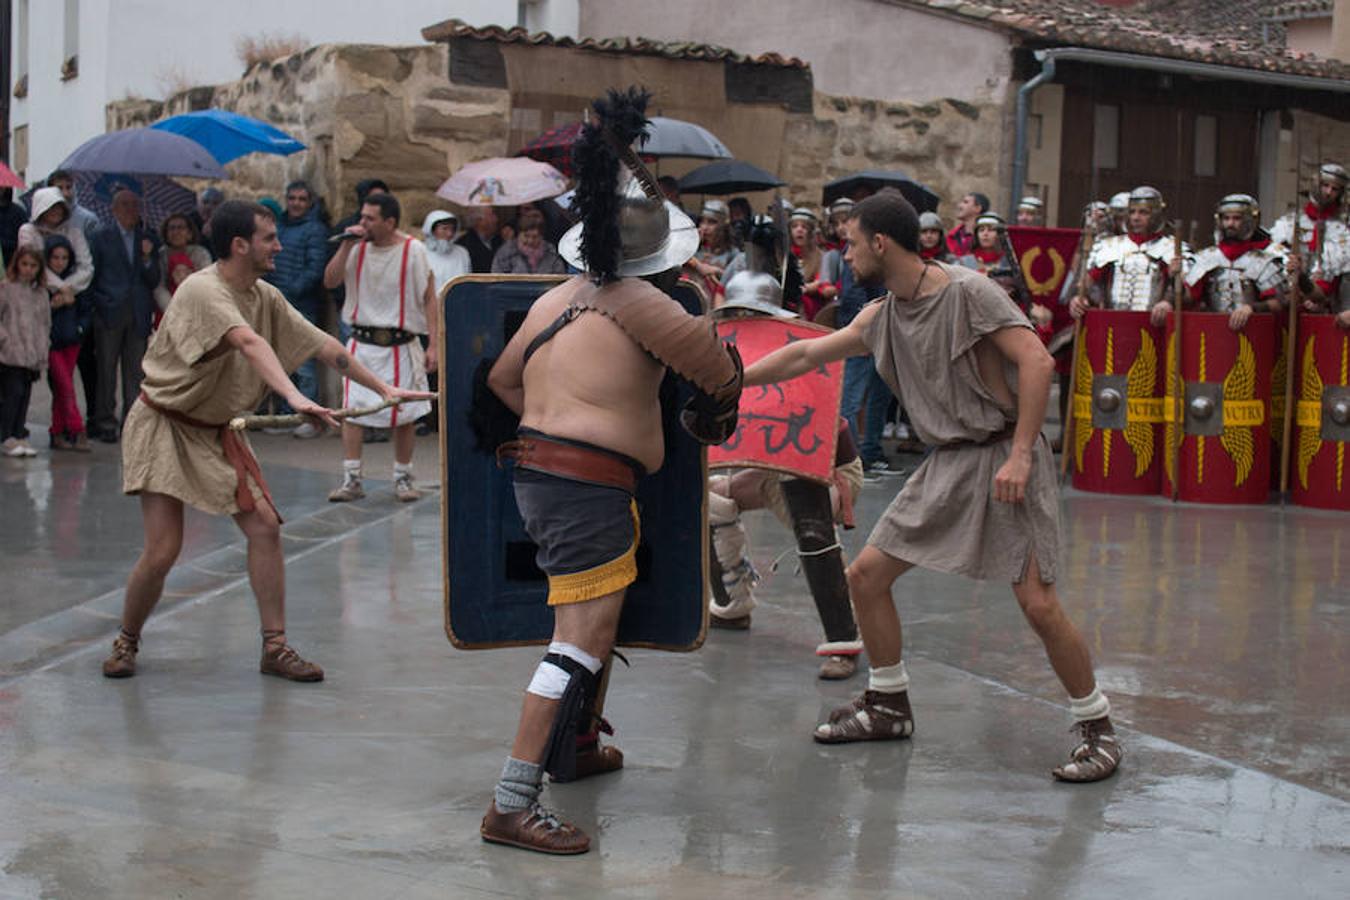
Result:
144,151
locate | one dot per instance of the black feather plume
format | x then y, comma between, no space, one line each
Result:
620,118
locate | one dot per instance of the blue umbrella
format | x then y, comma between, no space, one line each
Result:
228,135
144,151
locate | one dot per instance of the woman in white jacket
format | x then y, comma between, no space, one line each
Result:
448,259
51,215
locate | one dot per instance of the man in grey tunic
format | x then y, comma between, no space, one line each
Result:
975,378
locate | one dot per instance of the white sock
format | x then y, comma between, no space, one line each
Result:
888,679
402,469
351,468
1093,706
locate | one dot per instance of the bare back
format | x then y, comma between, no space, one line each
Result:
591,382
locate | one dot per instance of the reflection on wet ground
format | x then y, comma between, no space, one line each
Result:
1220,635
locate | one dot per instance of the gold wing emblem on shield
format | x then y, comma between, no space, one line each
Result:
1082,430
1309,439
1172,431
1240,384
1139,382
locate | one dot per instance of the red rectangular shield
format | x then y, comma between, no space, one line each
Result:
790,427
1045,255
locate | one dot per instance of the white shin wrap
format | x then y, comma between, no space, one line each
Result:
728,538
550,680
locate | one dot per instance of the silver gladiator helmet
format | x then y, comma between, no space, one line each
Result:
1246,205
756,288
627,227
1149,198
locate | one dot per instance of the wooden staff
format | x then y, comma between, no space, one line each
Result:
1179,402
1290,347
291,420
1066,433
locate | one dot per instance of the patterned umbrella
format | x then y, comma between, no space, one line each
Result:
502,181
555,147
160,196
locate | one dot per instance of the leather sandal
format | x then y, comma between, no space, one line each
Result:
533,828
874,716
1097,755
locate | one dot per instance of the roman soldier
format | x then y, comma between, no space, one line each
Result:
932,243
1321,224
1031,211
1132,270
1243,272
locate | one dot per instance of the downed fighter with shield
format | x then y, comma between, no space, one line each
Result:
583,373
763,477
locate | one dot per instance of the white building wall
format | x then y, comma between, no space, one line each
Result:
138,47
857,48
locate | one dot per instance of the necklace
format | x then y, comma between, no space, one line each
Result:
914,295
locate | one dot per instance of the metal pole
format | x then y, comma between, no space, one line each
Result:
1019,173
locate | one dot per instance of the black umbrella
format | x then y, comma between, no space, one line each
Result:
728,176
921,197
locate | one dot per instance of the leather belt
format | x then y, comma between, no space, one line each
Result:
569,461
997,437
382,336
236,451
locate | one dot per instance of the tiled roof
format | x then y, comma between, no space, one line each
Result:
454,28
1301,9
1234,33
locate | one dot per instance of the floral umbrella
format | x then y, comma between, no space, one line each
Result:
502,181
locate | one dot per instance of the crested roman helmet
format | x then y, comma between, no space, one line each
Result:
627,228
1151,199
1246,205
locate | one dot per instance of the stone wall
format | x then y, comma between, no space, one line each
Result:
395,113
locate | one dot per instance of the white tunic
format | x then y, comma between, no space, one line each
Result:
386,288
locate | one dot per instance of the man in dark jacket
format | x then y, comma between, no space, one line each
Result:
481,240
126,270
299,275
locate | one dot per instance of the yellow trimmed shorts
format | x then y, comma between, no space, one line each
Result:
587,534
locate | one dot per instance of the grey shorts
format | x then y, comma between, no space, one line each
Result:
587,534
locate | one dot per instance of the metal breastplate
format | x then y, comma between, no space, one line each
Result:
1228,288
1136,282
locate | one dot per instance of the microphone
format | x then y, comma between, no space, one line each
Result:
344,236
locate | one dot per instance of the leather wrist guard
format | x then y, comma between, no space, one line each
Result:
710,418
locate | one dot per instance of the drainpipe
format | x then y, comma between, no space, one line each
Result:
1019,173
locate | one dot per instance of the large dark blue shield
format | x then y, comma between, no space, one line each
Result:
495,596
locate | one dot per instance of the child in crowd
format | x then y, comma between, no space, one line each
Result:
25,324
70,322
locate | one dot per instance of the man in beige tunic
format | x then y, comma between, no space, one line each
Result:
225,340
966,364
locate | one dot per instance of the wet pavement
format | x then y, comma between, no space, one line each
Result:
1221,636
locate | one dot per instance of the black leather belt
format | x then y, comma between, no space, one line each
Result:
383,337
